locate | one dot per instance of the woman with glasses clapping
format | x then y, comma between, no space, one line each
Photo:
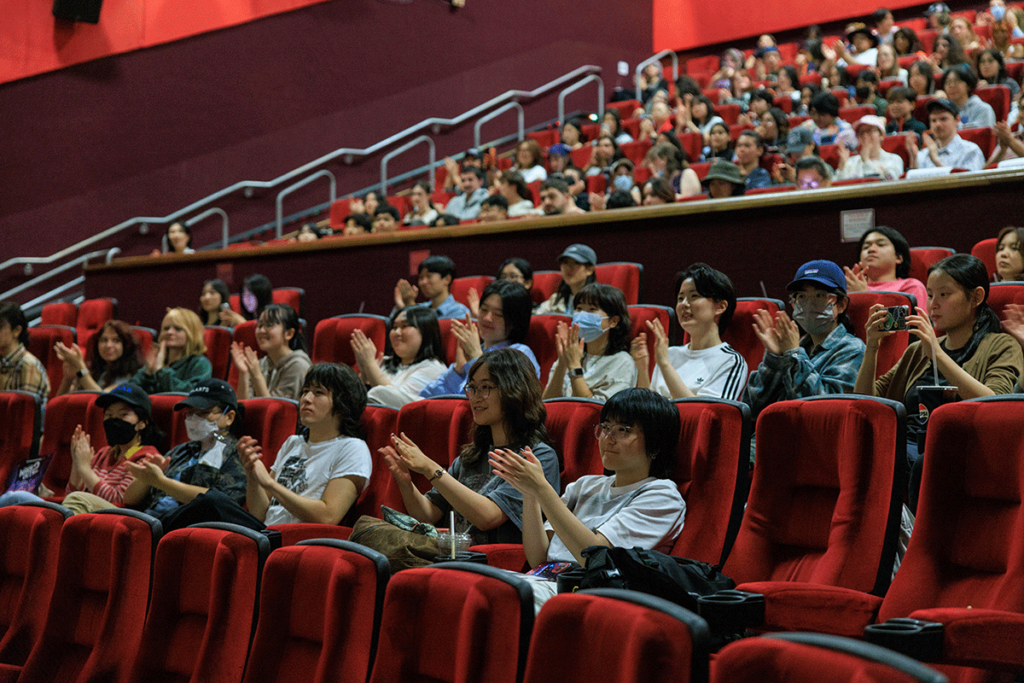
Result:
508,414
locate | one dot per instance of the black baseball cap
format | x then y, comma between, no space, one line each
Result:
208,394
129,393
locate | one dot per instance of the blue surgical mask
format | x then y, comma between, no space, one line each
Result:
589,324
998,12
623,182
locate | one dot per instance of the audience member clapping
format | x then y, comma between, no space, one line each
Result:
176,361
285,361
749,150
416,360
872,161
435,275
114,357
423,211
884,265
959,81
825,124
942,145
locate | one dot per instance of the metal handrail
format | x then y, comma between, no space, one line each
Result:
401,150
82,260
651,60
223,226
521,118
279,202
577,86
345,153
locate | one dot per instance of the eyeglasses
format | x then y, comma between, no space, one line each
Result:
615,431
816,298
481,390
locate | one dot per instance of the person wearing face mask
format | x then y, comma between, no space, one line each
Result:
593,353
825,360
100,478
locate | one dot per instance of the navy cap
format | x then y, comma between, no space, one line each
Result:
820,273
208,394
561,149
944,105
129,393
580,253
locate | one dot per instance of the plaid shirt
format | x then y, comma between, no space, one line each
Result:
21,371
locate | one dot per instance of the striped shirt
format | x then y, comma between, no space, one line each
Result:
113,472
719,371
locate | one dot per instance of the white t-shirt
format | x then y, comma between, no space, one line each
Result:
887,166
648,514
719,371
406,383
605,375
306,468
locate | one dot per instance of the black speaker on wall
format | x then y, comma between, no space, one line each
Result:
78,10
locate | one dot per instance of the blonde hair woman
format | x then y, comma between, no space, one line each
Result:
176,362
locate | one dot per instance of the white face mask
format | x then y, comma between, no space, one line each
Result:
198,427
814,322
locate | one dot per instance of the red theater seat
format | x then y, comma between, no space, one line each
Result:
170,421
146,336
332,337
293,296
379,423
986,251
61,313
320,607
218,349
92,313
461,286
1000,294
639,316
891,348
922,258
545,283
740,332
270,420
19,438
41,342
205,585
626,276
63,413
541,340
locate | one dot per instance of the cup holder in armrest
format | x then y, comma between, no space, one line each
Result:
463,556
731,611
915,638
569,581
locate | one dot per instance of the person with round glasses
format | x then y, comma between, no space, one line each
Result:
508,413
813,353
637,506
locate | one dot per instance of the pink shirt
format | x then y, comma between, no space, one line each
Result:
908,285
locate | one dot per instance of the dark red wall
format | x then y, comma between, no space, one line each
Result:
148,132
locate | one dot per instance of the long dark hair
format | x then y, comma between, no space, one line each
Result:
225,298
610,300
970,273
565,291
259,286
516,307
131,353
521,404
289,319
424,320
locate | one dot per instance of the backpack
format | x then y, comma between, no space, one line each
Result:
675,579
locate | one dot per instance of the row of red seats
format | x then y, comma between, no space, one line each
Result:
221,603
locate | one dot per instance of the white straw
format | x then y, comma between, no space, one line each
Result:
763,290
451,530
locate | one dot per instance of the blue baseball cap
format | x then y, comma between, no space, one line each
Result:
819,273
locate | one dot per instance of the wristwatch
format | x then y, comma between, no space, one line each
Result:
437,473
575,372
82,373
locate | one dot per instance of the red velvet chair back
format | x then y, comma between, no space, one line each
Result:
922,258
218,349
654,640
545,283
986,251
965,546
827,494
293,296
541,340
626,276
484,614
320,608
439,426
19,438
98,608
891,348
379,423
145,336
449,342
63,413
814,657
712,465
639,316
331,338
740,332
570,424
92,313
339,212
205,585
244,333
461,285
41,341
170,421
1001,294
60,313
270,420
29,537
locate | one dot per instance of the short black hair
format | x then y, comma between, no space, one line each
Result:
899,243
867,76
442,265
687,85
657,418
765,95
612,301
478,172
516,307
712,284
901,92
446,219
11,313
878,16
521,264
348,394
496,200
361,219
817,163
825,103
620,199
431,347
965,73
755,136
388,209
555,183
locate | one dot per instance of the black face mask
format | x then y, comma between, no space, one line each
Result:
118,431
